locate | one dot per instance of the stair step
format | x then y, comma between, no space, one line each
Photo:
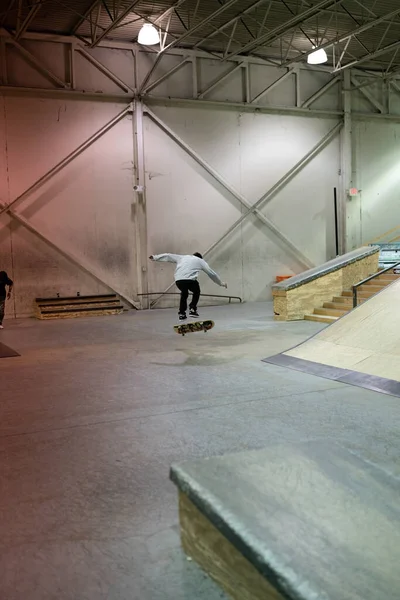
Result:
360,294
370,288
343,300
384,280
388,276
343,307
330,312
365,294
320,318
346,302
375,284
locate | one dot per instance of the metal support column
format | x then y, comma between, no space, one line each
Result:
346,241
139,213
298,87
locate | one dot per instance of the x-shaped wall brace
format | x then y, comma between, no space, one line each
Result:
249,208
37,184
265,198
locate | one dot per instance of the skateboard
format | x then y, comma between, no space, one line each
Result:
194,326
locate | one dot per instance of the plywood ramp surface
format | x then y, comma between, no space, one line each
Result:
366,340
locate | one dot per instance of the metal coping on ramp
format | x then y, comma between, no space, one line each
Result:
6,352
369,382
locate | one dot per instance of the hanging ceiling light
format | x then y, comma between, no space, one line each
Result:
148,35
318,57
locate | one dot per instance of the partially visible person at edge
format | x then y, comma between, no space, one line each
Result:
5,282
187,269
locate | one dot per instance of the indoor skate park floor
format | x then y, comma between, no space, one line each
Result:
93,413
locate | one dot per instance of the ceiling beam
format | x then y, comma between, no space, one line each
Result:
231,21
28,19
280,30
33,60
115,23
168,11
201,24
370,56
85,17
346,36
179,39
6,12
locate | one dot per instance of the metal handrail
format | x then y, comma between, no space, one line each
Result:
374,276
202,295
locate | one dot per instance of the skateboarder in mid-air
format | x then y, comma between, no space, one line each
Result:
186,272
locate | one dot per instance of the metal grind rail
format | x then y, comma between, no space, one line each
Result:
230,298
370,278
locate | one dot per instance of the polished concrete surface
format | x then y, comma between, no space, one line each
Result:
94,412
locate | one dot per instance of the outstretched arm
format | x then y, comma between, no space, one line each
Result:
165,257
213,275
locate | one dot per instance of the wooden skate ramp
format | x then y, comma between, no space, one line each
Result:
362,348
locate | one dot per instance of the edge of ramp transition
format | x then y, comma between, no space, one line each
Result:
369,382
356,378
7,352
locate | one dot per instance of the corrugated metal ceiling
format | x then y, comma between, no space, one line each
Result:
225,26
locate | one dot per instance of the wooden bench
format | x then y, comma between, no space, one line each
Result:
78,306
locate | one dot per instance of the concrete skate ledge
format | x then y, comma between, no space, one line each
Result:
298,296
292,522
329,267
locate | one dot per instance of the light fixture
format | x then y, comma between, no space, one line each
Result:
148,35
318,57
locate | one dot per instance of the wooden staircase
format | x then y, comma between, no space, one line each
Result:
341,305
78,306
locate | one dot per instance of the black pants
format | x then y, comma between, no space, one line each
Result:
185,286
2,308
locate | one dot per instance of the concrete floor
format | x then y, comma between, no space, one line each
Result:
95,411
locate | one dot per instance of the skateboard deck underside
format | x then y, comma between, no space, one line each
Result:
194,326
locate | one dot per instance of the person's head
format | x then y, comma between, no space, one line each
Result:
3,276
197,254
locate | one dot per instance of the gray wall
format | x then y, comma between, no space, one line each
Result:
88,211
377,170
188,211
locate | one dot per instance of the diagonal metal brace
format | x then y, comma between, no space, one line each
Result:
103,69
70,257
375,103
304,261
63,163
33,60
